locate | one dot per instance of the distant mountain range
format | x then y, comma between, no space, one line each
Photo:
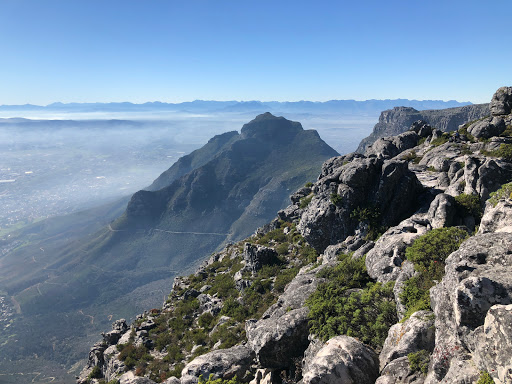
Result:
207,106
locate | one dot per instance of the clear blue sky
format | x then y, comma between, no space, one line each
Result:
167,50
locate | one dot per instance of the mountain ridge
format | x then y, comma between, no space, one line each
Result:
393,267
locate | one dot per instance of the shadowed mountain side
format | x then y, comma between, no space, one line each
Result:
193,160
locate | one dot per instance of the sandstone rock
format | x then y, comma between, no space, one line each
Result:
208,303
277,341
222,363
494,350
422,128
501,102
497,219
399,372
478,276
301,193
130,378
387,185
406,272
415,334
486,128
343,359
441,211
256,256
172,380
384,261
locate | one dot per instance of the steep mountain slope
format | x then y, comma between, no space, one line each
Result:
393,267
220,192
399,119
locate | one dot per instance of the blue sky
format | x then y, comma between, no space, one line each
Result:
167,50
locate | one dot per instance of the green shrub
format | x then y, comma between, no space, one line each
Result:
428,254
505,192
309,184
441,139
371,216
206,320
283,278
336,199
308,255
485,378
304,202
418,361
350,304
95,373
504,151
412,156
507,132
469,205
211,380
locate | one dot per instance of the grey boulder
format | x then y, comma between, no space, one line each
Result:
342,360
222,363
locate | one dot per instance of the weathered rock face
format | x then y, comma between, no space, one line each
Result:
277,341
385,260
386,186
488,127
282,333
399,372
415,334
223,364
342,359
497,219
501,103
494,347
478,276
256,256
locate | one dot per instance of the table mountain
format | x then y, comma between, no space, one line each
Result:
399,119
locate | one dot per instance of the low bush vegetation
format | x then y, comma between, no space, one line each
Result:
505,192
418,361
469,205
304,202
350,303
336,199
428,254
504,151
369,215
485,378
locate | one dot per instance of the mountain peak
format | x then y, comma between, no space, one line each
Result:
267,126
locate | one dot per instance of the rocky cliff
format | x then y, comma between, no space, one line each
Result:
393,267
399,119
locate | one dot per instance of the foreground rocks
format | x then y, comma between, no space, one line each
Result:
342,360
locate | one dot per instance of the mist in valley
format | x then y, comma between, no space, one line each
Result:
55,163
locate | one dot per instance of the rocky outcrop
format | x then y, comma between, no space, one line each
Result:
501,103
413,335
385,260
399,119
281,335
498,218
222,364
478,276
494,347
256,256
486,128
342,359
384,188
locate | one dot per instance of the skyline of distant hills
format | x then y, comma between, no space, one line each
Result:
304,106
